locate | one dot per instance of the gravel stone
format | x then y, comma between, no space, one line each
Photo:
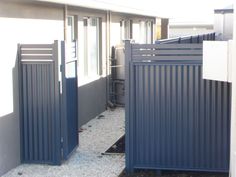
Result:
86,161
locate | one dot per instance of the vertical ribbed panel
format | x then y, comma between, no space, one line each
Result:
181,121
38,104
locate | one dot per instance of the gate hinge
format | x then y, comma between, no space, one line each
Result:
62,141
62,151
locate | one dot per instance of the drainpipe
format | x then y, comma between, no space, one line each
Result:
65,22
108,47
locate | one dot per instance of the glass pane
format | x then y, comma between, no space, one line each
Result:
149,32
125,29
70,28
93,46
122,30
142,38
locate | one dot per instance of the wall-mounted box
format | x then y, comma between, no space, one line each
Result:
217,59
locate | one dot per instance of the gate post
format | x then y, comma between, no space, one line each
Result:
128,109
57,141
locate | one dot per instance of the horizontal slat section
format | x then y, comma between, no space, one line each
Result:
168,62
44,52
167,52
36,61
38,46
141,52
166,46
40,53
36,57
142,58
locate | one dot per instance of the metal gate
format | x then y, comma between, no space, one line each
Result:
45,137
69,99
175,120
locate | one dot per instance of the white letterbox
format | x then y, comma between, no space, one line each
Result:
217,59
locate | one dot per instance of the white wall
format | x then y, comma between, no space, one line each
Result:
233,116
217,56
20,23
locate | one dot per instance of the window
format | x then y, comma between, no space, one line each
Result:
146,32
91,46
71,54
149,32
70,28
126,29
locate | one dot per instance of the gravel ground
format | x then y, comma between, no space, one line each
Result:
150,173
97,136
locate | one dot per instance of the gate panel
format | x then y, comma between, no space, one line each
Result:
69,99
40,119
175,120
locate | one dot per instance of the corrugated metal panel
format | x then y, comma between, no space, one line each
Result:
40,121
174,119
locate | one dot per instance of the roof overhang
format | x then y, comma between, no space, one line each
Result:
106,6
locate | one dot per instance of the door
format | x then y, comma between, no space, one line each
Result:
69,98
69,89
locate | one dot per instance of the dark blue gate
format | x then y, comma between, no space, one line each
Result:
69,98
175,120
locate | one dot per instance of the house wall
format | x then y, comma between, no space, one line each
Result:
233,114
20,23
115,27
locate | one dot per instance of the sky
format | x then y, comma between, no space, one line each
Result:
180,11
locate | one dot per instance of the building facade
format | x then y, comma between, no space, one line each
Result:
95,30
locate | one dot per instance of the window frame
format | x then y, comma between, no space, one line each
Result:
126,29
146,27
87,23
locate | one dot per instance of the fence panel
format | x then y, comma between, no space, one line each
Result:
175,120
40,118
